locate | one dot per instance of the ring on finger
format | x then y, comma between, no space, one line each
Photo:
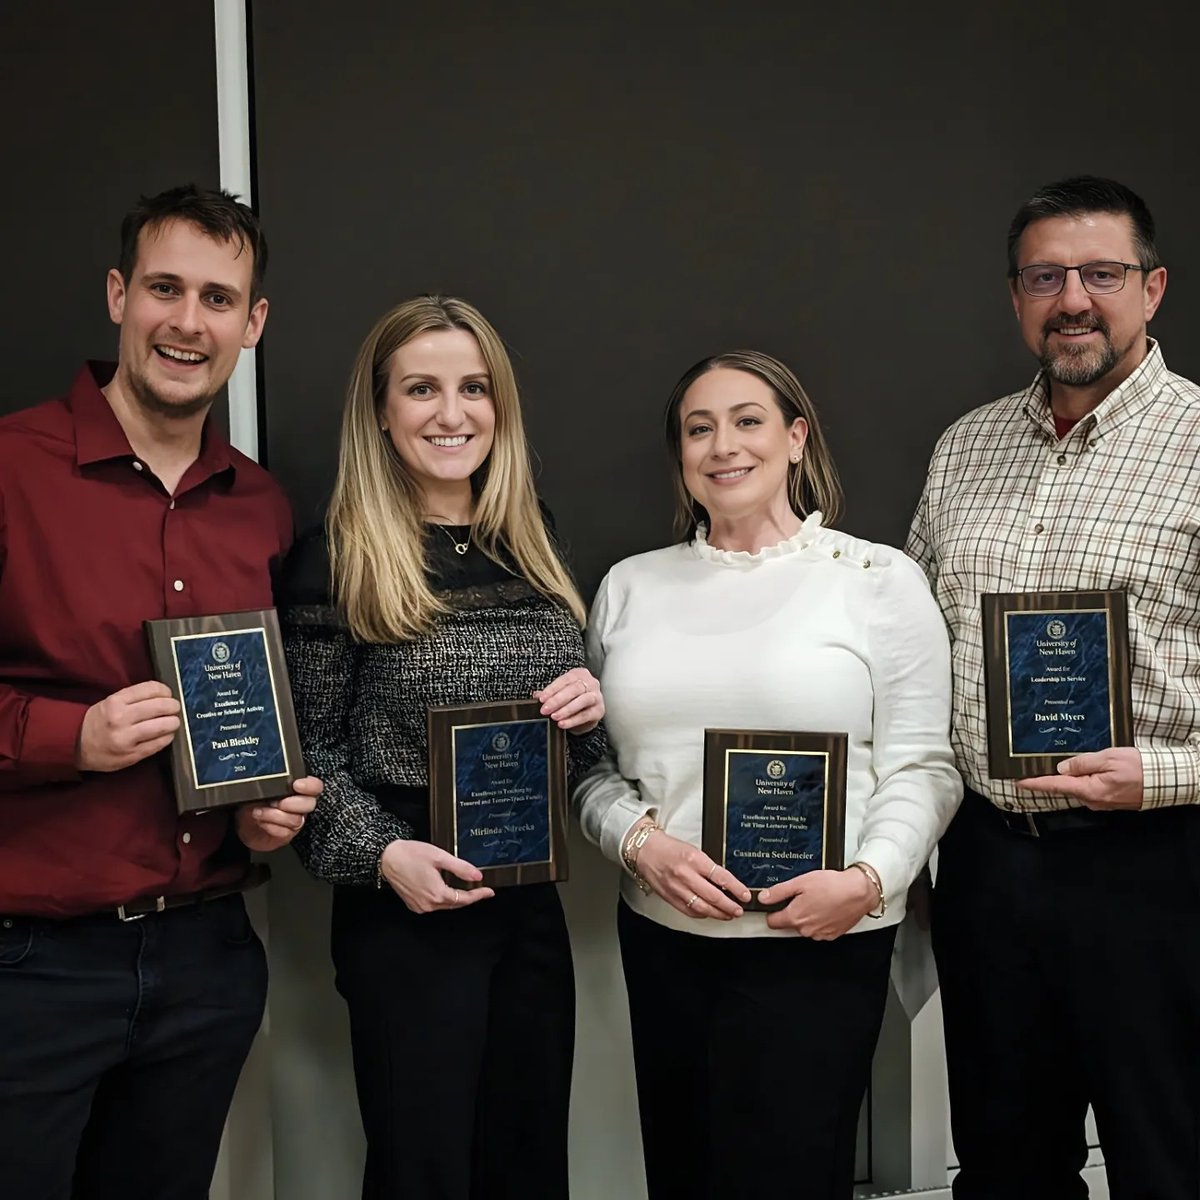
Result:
457,897
712,871
695,897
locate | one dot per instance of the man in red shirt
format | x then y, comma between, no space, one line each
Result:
131,982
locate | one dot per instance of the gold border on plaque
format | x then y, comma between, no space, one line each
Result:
823,754
1108,659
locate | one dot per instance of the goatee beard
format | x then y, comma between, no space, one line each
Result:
1079,366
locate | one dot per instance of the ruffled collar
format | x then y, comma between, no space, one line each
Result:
802,539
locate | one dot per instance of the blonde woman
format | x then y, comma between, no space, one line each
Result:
753,1033
437,582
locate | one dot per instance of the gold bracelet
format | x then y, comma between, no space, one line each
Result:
873,875
629,852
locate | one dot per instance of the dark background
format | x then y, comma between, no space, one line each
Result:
621,189
625,188
99,103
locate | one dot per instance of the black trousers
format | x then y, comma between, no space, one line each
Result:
462,1025
1070,974
752,1058
120,1046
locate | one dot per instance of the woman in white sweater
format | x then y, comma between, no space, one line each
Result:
753,1033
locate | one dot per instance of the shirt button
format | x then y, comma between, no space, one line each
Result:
178,584
137,466
837,554
7,922
187,837
1062,458
866,562
1039,528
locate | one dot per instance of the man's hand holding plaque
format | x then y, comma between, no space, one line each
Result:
272,825
127,726
1105,781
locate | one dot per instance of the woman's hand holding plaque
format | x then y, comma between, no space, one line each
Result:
688,880
822,904
413,870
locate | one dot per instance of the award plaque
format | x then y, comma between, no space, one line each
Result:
1056,669
498,790
774,805
238,741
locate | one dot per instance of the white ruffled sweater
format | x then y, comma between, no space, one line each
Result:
820,632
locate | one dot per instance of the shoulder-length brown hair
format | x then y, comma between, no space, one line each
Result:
813,484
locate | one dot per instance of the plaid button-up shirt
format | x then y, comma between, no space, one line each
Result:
1011,507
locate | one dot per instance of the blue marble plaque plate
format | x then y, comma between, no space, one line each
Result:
774,814
1058,693
231,722
502,793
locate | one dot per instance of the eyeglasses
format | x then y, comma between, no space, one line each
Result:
1098,278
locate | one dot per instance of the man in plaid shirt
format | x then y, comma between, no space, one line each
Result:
1067,910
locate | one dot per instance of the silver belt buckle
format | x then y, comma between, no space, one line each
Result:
160,904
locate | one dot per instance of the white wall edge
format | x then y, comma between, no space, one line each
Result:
233,134
245,1166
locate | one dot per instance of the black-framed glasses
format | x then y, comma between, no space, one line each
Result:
1098,278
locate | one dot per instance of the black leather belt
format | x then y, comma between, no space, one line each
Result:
256,875
1051,824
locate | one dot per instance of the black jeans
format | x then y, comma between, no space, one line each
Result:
120,1046
752,1058
462,1025
1070,974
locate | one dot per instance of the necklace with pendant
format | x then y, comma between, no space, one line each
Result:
459,547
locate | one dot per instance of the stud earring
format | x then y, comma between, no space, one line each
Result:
795,458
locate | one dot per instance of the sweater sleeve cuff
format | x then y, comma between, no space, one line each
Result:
891,865
51,737
378,838
618,821
1170,775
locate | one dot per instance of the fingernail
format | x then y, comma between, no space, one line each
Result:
764,896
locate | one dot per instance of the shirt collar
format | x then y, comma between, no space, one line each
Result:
1123,402
100,438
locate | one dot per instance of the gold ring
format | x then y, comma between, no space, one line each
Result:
693,900
712,872
457,897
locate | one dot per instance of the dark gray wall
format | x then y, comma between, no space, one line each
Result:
100,103
623,188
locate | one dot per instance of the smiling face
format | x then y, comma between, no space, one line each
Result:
735,446
185,316
1083,339
438,409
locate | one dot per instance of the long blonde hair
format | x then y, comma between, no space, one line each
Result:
376,532
812,483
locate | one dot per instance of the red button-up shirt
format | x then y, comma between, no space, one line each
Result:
91,545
